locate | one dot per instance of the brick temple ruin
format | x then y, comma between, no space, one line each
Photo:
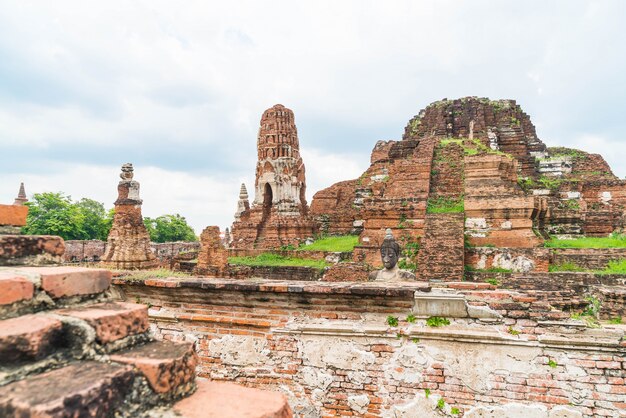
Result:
278,215
485,330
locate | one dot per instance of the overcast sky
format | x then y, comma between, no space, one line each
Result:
178,88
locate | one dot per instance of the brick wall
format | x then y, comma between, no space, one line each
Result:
441,248
515,259
329,349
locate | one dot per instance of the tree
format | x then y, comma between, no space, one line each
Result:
169,228
95,222
55,214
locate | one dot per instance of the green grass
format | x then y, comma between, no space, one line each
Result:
569,266
275,260
614,241
344,243
392,321
153,274
445,205
614,267
616,320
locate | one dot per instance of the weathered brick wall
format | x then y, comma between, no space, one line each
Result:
313,255
515,259
588,258
441,250
93,250
273,272
328,348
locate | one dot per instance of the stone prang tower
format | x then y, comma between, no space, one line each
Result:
280,170
278,215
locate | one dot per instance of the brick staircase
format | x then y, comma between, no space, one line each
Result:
67,349
441,254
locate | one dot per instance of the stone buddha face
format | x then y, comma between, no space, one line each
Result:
389,257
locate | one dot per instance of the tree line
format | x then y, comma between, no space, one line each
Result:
57,214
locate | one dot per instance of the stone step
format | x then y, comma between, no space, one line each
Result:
85,389
227,400
60,282
169,367
112,321
29,338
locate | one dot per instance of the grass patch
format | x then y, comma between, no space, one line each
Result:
445,205
569,266
614,267
153,274
343,243
275,260
616,320
613,241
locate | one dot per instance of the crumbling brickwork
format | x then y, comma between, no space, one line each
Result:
128,244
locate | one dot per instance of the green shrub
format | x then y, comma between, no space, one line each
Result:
437,321
392,321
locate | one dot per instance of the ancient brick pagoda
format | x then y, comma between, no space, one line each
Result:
128,244
278,215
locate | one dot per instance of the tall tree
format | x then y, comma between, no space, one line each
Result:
94,219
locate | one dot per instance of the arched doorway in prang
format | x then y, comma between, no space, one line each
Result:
268,196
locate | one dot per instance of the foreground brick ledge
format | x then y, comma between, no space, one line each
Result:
277,286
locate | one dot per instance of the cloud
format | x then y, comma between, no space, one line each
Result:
182,89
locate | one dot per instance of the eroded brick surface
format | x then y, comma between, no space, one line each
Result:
167,366
112,320
13,215
29,337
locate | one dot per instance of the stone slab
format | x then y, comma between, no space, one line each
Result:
86,389
227,400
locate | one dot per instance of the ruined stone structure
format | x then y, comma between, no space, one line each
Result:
213,257
485,156
128,244
278,215
21,196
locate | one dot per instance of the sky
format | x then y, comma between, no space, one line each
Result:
178,88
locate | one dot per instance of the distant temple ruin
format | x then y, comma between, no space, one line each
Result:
21,196
278,215
128,244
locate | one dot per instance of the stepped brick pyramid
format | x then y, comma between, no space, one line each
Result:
128,244
68,350
485,156
279,214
